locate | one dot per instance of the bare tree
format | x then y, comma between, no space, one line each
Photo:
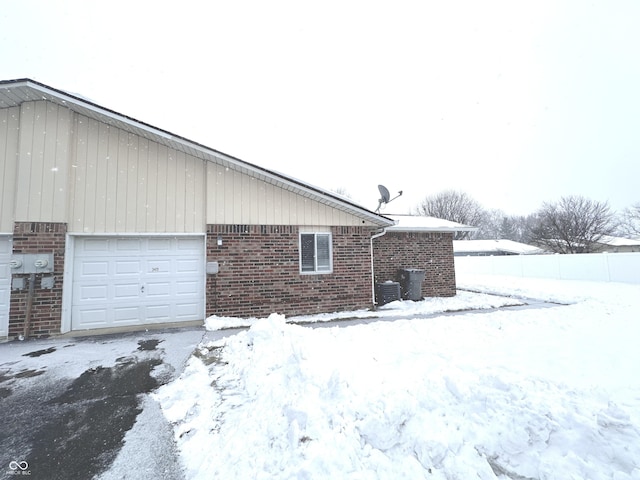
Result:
630,221
491,226
515,227
455,206
498,225
572,225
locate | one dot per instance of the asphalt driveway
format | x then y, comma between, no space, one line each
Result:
79,408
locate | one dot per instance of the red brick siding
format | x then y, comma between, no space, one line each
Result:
46,307
432,252
260,272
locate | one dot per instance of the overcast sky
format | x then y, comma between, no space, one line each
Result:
513,102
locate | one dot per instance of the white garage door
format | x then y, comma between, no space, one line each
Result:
120,281
5,284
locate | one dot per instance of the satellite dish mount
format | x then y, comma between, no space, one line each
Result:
385,197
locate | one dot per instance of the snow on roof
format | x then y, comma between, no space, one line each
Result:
618,241
419,223
494,246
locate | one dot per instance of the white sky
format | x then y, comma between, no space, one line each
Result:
515,103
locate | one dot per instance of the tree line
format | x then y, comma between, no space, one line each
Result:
573,224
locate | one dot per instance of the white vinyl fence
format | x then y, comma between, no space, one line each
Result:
599,267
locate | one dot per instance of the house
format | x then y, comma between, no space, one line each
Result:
106,221
493,247
610,244
418,242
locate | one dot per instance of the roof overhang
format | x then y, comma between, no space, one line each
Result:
15,92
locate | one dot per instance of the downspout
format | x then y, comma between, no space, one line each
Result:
27,314
373,279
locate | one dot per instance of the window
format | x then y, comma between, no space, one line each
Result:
315,253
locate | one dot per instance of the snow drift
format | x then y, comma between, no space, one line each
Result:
547,393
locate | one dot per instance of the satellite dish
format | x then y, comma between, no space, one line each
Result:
384,194
385,197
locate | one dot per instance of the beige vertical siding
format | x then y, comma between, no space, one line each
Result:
98,178
125,183
42,178
237,198
9,129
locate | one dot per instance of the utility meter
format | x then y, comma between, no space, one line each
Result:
31,263
41,263
15,263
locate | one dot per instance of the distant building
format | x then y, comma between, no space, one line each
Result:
617,244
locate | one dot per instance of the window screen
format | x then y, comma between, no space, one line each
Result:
323,252
307,255
315,252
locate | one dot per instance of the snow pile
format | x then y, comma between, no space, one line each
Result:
549,393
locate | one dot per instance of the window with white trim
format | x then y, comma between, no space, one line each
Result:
315,253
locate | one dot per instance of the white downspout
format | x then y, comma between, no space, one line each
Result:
373,279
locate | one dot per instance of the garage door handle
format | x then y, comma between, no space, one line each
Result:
142,289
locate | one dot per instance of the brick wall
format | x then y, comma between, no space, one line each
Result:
432,252
46,306
260,272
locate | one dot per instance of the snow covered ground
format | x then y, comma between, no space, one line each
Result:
537,393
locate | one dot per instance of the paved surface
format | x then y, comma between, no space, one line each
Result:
78,408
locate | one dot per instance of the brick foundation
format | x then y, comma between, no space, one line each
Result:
46,306
260,272
432,252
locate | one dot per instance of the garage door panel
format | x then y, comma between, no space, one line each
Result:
93,246
188,265
186,310
159,266
127,314
92,268
92,293
125,291
159,313
131,281
158,289
90,317
158,244
127,267
128,245
193,245
186,287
